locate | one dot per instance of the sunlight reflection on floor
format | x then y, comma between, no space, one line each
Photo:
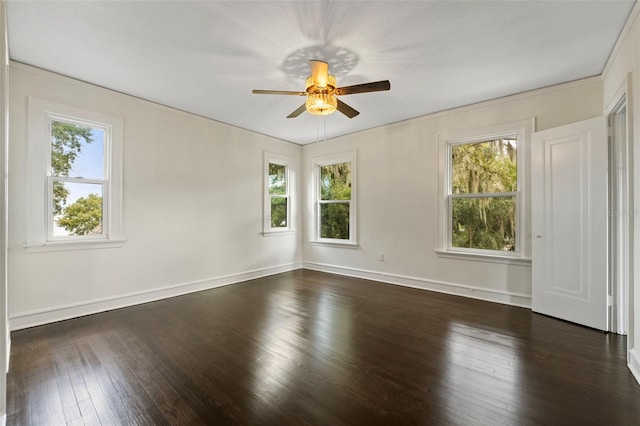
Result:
477,358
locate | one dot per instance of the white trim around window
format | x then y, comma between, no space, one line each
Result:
318,202
40,181
281,196
520,130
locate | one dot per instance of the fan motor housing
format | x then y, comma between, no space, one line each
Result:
316,87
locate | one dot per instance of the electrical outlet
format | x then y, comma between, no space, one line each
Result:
381,256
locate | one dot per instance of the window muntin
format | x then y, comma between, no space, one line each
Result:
78,179
335,200
483,195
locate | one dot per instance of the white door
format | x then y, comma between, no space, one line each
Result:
569,222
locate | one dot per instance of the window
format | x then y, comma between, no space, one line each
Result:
483,192
75,177
277,209
335,200
482,195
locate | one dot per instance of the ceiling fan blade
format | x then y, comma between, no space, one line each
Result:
277,92
375,86
299,111
346,109
319,72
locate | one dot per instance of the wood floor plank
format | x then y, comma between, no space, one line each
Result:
306,347
88,412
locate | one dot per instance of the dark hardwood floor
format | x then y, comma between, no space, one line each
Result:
306,347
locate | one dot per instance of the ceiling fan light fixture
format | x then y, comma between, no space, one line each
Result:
320,98
321,103
321,90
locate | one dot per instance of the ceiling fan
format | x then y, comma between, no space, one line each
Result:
321,91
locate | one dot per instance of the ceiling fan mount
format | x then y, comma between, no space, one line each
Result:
321,90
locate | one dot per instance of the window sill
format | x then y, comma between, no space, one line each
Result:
72,245
478,257
337,243
277,233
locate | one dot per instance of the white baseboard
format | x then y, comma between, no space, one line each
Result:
38,317
498,296
634,363
44,316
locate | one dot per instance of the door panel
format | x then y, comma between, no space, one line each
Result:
569,226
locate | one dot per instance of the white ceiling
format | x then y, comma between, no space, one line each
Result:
205,57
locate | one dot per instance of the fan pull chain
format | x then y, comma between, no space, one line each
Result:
318,130
325,129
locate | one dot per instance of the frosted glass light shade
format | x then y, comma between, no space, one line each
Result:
320,98
321,103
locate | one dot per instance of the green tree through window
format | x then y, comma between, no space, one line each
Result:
335,201
278,194
66,144
483,194
84,215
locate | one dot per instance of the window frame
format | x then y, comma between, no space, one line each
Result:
318,162
42,113
51,179
521,131
281,160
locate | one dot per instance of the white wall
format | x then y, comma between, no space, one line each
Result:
625,64
193,204
192,208
398,203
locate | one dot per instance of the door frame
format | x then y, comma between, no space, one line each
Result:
620,266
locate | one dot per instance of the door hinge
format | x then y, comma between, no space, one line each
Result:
609,300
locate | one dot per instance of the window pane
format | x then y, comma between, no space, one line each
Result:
277,179
335,182
484,167
484,223
278,212
334,220
77,151
81,213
